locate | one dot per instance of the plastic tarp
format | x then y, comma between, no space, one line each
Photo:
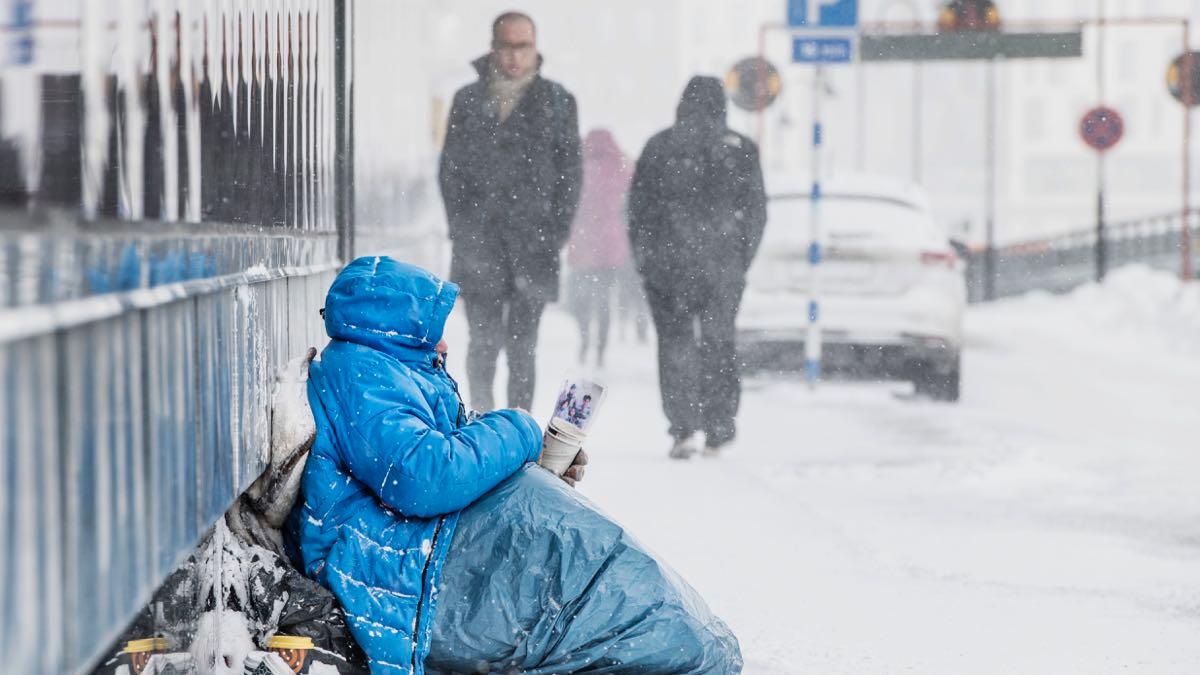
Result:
538,580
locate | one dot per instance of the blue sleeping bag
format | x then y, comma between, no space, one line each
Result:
538,580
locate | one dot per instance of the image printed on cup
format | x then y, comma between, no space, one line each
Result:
578,402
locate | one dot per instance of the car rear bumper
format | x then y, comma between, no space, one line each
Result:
895,359
923,312
886,336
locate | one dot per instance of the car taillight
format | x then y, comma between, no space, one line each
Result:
939,259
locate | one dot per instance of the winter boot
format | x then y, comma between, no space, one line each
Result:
713,446
684,447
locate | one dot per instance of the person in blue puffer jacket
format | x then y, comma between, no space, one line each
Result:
448,550
393,461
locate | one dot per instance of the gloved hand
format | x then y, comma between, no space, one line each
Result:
574,473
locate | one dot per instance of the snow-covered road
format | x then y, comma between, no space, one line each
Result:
1049,523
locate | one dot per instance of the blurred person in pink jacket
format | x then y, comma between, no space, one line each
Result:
598,250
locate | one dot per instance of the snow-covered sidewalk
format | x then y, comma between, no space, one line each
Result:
1049,523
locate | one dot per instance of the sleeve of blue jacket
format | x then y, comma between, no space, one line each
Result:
420,471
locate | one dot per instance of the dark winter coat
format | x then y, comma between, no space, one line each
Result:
697,206
510,188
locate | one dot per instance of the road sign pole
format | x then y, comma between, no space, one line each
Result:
1101,241
989,253
1185,237
835,22
758,115
1101,128
1101,244
812,342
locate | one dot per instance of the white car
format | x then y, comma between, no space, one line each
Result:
892,289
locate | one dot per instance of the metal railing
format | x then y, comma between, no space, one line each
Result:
129,421
1061,263
183,228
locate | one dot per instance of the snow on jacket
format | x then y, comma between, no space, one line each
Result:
697,206
394,461
510,188
598,237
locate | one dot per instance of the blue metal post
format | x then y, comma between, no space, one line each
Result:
812,342
21,29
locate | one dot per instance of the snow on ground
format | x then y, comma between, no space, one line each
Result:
1048,523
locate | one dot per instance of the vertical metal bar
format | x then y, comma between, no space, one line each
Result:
26,608
47,514
68,495
1100,51
8,453
918,140
1101,237
812,342
989,260
1101,242
132,401
762,76
343,58
1185,233
860,116
201,363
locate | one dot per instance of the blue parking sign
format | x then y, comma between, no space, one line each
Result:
823,13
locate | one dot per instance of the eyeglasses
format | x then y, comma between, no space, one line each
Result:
513,47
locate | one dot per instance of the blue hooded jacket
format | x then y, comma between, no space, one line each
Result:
394,459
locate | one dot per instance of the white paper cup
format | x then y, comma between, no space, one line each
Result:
560,444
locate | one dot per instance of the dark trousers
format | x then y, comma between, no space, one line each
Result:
589,297
697,361
508,323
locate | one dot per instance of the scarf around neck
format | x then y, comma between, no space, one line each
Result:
505,93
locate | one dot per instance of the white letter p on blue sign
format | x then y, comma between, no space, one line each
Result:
823,13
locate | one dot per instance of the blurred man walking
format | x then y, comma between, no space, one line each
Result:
697,209
510,177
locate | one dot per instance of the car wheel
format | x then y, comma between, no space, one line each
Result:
939,384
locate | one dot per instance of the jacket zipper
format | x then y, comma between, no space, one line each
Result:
439,363
417,628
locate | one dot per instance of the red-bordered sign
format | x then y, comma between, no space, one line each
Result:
1101,128
753,83
1183,78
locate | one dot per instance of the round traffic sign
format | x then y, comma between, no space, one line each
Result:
753,83
1183,65
1101,128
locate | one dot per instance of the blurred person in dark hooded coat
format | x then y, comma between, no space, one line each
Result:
697,209
510,175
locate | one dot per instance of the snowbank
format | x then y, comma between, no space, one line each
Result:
1140,303
1136,307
